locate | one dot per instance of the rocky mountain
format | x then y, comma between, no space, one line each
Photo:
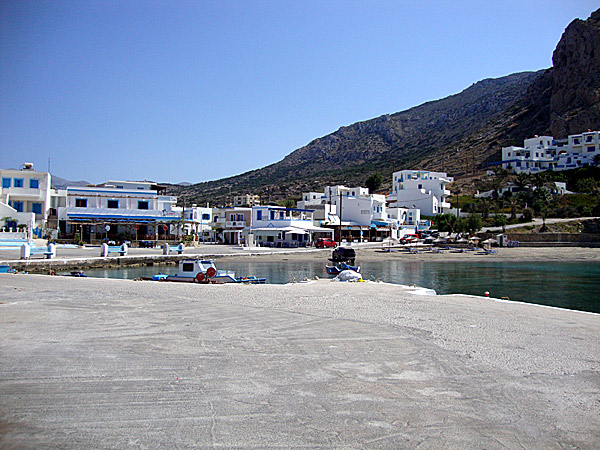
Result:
459,134
62,183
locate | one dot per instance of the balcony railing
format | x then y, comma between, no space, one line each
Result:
235,224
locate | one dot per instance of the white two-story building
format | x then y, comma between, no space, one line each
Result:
276,226
197,222
420,189
363,216
229,222
25,198
119,209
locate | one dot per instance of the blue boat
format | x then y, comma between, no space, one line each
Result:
335,270
205,271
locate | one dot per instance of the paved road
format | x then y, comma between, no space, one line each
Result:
89,252
90,363
537,222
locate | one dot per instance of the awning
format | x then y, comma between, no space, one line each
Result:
382,223
290,229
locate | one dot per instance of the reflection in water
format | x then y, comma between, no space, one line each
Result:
568,285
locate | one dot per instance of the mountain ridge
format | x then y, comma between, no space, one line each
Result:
459,134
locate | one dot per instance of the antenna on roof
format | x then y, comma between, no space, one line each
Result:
48,164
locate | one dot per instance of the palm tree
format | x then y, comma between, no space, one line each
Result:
513,203
485,204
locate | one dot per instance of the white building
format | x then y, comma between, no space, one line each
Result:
197,222
119,208
542,153
246,200
363,216
275,226
25,192
229,222
420,189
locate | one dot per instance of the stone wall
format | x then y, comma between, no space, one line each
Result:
550,239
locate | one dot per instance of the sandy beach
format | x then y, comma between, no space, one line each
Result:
381,253
89,256
98,363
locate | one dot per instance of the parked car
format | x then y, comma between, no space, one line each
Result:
343,254
325,243
408,238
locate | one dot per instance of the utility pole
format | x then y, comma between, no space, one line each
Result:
182,218
340,217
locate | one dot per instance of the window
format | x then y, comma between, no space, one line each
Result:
205,216
240,217
272,214
142,204
187,267
81,202
232,217
36,208
589,138
34,184
112,204
17,205
259,215
5,183
18,182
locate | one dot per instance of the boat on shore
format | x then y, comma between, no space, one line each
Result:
338,268
204,271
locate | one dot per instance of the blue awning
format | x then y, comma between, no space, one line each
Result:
380,223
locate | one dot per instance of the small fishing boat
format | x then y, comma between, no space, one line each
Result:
77,273
335,270
205,271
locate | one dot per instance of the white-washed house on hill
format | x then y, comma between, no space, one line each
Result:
541,153
420,189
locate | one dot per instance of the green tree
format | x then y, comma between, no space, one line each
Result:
474,223
541,202
498,182
586,185
374,182
500,220
445,222
460,226
484,206
513,202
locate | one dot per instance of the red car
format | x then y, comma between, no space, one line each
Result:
408,238
325,243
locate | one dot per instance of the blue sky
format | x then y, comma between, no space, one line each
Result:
200,90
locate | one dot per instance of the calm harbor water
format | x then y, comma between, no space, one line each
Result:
572,285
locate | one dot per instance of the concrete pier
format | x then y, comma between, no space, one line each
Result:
97,363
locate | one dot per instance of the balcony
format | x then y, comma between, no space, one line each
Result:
235,224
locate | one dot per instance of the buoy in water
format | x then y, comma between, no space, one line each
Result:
487,294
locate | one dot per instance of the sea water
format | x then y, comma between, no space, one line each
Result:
571,285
